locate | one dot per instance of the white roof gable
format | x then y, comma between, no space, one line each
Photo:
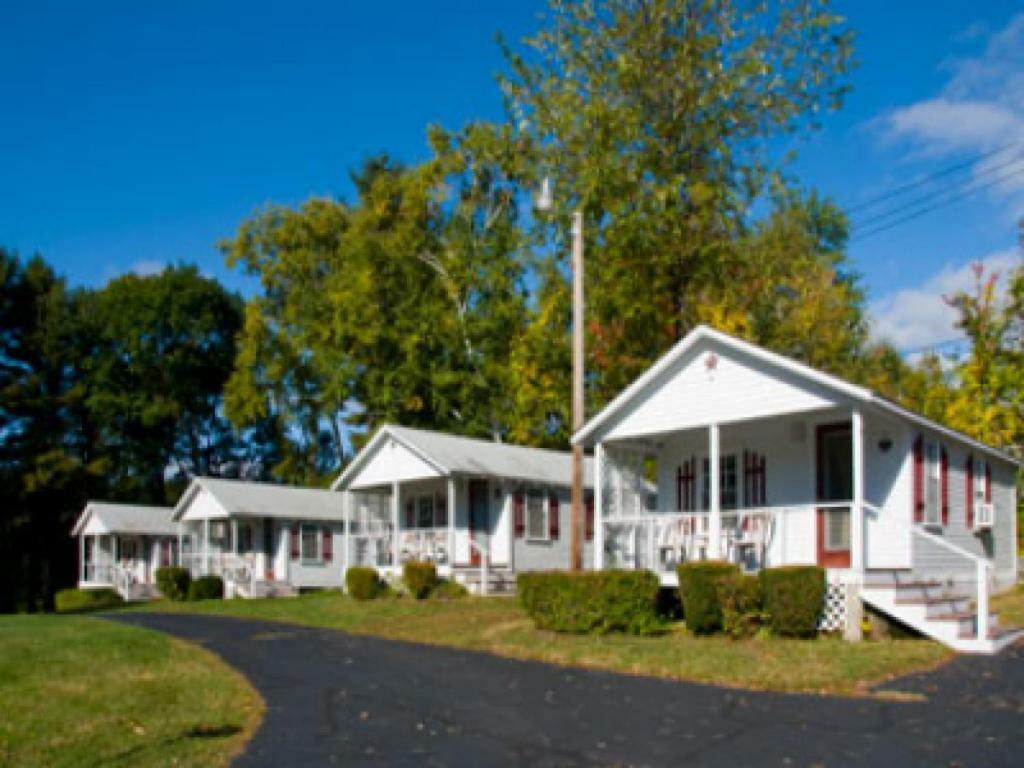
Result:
423,453
249,499
744,382
110,517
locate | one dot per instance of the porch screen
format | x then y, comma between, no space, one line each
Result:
536,516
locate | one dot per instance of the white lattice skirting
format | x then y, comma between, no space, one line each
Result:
833,614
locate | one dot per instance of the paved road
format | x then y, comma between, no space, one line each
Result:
335,699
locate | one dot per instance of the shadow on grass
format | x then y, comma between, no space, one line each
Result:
212,731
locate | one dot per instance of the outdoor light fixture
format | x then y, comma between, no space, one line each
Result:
884,444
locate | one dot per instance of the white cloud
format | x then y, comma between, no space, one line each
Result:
916,318
979,109
147,267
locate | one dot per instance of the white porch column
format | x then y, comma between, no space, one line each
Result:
234,535
599,507
81,558
395,512
451,522
857,513
206,546
180,553
347,513
714,496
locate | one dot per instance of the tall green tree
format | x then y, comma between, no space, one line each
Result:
656,118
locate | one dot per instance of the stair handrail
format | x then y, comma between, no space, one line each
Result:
982,565
484,558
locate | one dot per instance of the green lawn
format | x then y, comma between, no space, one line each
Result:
1010,607
498,625
77,691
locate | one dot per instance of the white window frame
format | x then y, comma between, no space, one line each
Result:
318,544
932,483
542,496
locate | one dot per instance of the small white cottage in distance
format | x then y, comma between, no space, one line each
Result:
906,515
460,503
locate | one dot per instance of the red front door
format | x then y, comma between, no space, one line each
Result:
835,484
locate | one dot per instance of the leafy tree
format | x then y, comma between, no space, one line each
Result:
655,118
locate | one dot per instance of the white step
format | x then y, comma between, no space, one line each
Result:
499,582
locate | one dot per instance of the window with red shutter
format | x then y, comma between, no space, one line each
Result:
589,515
988,483
327,546
293,536
918,486
441,510
410,513
969,495
553,521
519,514
944,480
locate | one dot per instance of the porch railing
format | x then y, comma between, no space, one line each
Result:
98,573
434,545
661,541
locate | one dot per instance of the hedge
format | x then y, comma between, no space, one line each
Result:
419,577
82,600
206,588
793,598
362,583
591,602
173,582
698,592
742,604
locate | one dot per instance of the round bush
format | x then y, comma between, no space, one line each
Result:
173,582
740,598
793,598
448,590
82,600
596,602
419,577
362,583
206,588
698,592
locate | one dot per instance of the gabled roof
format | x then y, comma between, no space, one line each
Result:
826,380
127,518
250,499
455,455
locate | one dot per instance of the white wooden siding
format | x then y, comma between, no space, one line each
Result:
391,462
204,506
736,389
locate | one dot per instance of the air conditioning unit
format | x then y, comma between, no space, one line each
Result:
984,516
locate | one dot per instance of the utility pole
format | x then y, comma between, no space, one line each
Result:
576,537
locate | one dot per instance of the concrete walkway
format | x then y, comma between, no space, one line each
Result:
337,699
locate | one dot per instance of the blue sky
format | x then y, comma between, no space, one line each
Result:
134,134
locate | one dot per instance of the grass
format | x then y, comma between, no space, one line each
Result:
1010,607
79,691
499,625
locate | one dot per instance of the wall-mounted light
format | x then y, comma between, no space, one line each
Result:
885,444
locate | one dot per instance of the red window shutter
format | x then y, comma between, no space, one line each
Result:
294,542
410,513
988,483
919,479
944,483
519,514
328,545
679,487
589,515
553,516
763,474
441,510
969,496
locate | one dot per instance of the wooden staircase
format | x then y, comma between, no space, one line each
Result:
500,581
940,612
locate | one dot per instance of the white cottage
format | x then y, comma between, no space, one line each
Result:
262,539
462,503
907,516
122,545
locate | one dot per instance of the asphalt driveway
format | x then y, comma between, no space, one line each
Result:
337,699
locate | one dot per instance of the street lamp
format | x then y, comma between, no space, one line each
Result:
545,202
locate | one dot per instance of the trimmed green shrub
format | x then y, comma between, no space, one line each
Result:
698,592
739,596
419,577
445,589
206,588
595,602
362,583
82,600
173,582
793,598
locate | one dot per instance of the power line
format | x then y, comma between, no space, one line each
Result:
870,203
986,175
967,192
